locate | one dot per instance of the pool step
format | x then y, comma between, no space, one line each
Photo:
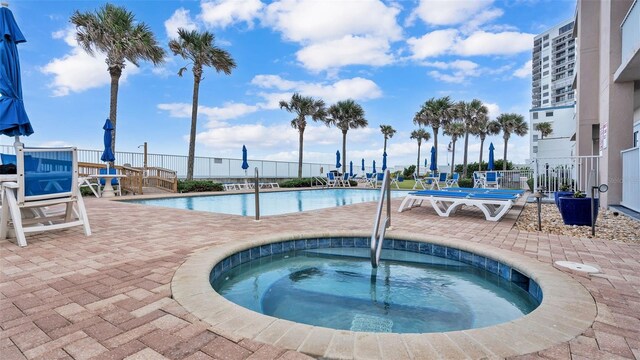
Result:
370,323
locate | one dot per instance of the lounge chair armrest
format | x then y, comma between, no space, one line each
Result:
10,184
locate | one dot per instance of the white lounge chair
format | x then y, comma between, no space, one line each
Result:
453,182
370,179
491,179
397,180
52,181
332,181
493,205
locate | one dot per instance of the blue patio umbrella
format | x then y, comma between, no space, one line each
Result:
338,165
350,168
362,164
384,161
13,117
374,166
434,162
491,164
107,154
245,164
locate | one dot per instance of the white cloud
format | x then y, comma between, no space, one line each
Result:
432,44
355,88
78,71
453,42
337,33
222,13
494,110
460,70
214,114
179,19
503,43
448,12
524,71
311,20
349,50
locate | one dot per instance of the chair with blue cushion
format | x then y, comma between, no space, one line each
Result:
45,177
397,180
115,182
453,181
491,179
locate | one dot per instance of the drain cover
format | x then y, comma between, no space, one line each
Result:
370,323
577,266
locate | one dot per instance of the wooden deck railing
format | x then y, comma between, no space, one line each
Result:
131,183
161,178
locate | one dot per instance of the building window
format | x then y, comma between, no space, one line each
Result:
546,37
546,58
566,28
545,101
535,137
635,139
535,115
545,45
545,73
535,149
549,113
545,94
545,66
545,87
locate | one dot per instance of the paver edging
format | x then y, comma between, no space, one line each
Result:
566,311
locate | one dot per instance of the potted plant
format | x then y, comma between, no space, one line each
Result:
576,209
565,190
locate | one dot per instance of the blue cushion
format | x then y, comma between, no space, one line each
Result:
113,171
8,159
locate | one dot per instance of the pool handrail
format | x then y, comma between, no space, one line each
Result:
377,236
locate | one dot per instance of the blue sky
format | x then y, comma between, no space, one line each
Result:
388,56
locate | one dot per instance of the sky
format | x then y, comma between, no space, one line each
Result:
389,56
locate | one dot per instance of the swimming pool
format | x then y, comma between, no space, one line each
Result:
271,203
335,287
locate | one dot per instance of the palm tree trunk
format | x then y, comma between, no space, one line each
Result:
453,157
115,73
481,148
301,131
197,73
464,161
418,167
344,151
504,165
385,144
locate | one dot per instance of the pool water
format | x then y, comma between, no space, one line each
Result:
271,203
408,293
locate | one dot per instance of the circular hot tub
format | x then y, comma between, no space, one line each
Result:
465,299
417,288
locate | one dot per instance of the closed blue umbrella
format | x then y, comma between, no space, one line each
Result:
245,164
425,162
107,154
350,168
434,162
491,164
374,166
362,164
338,165
384,161
13,117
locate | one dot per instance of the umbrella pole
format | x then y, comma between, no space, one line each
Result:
17,141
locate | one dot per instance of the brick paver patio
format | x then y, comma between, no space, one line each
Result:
108,296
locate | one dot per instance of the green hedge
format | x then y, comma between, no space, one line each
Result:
296,183
465,183
185,186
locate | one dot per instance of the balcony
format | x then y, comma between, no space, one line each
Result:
629,69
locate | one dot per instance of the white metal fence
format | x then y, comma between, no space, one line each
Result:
631,178
575,172
211,167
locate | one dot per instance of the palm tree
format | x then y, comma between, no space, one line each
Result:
198,47
456,131
303,106
482,128
420,134
435,113
544,128
345,115
388,132
114,31
511,124
471,113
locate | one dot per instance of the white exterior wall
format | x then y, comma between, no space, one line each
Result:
559,143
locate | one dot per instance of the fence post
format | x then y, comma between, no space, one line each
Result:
535,175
